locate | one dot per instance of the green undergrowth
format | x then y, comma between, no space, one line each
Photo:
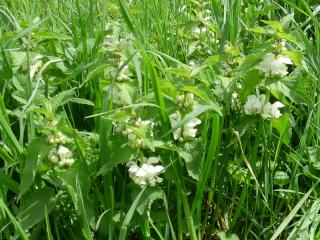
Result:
163,119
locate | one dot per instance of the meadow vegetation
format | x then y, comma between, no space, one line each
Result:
162,119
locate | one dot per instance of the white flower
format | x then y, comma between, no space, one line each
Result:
254,104
145,123
174,119
189,130
146,174
196,32
64,152
272,110
275,65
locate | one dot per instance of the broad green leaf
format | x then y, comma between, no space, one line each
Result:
249,81
120,153
180,72
295,56
14,221
281,178
37,150
33,206
282,125
147,199
62,98
192,153
275,25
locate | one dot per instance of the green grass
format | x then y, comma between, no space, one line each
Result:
79,78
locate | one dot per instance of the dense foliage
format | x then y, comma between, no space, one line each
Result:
163,119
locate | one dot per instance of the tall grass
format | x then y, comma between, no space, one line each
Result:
78,77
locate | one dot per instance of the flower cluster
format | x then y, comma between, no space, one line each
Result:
256,105
58,138
189,130
147,173
136,132
62,156
275,65
186,102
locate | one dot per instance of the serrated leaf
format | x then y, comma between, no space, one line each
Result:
258,29
181,72
62,98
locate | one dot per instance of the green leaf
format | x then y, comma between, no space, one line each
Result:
281,178
121,153
295,56
249,81
37,150
14,221
8,133
7,181
82,101
147,199
282,125
224,236
200,92
292,214
62,98
193,156
34,205
180,72
258,29
129,215
275,25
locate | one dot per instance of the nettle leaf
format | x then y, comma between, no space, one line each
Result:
295,56
148,198
62,98
75,178
274,24
249,81
37,150
180,72
120,153
283,125
192,153
33,206
258,29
